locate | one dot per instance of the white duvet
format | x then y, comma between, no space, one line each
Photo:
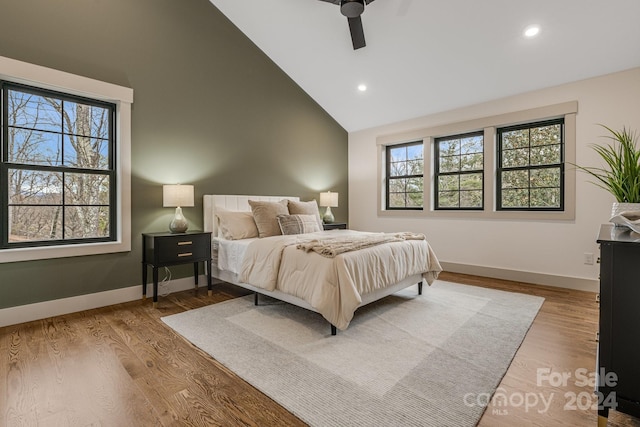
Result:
333,286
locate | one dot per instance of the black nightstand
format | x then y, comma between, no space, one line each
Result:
165,249
335,226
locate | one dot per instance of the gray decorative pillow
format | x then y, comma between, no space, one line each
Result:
265,215
298,224
305,208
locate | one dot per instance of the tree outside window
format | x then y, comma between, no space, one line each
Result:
405,179
58,174
531,166
459,172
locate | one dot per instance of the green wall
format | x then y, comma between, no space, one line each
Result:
210,109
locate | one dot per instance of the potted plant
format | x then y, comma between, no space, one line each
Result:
621,176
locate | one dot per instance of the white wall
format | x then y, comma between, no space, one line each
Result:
534,251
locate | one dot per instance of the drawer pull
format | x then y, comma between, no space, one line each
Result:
185,243
185,254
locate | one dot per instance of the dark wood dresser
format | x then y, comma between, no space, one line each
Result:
618,381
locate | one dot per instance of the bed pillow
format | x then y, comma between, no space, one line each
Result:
234,225
298,224
306,208
265,215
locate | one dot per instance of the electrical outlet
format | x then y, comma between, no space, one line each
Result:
588,258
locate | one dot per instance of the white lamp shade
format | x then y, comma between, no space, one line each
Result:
329,199
177,196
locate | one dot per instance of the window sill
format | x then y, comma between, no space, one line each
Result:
49,252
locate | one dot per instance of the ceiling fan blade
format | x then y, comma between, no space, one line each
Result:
357,32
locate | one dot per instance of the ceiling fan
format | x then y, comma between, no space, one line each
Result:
352,9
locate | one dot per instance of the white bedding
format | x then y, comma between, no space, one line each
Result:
230,253
334,286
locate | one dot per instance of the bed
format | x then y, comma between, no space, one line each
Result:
290,267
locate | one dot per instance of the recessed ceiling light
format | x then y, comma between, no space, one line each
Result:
362,87
531,31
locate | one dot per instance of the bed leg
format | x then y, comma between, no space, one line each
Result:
333,330
255,298
420,288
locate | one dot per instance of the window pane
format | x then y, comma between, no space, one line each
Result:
450,164
545,177
515,198
473,144
414,200
414,152
86,120
396,200
398,154
34,147
449,199
30,223
545,198
34,188
83,152
546,135
415,167
448,182
450,147
515,158
397,185
82,222
471,181
515,179
545,155
34,111
471,162
471,199
398,169
86,189
515,139
414,185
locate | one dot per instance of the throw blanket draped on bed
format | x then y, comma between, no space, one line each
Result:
337,245
333,286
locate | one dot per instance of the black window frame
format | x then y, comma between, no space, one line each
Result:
438,173
388,176
5,166
561,166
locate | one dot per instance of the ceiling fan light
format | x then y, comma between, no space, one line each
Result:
352,8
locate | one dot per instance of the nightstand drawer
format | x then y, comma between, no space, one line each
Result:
182,248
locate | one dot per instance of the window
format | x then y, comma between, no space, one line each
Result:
530,172
506,166
459,171
46,82
57,168
405,180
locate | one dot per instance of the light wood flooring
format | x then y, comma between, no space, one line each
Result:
122,366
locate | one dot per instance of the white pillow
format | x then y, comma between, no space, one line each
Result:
234,225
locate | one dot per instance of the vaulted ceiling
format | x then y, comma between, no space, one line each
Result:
428,56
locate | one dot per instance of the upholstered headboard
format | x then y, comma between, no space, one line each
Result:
232,203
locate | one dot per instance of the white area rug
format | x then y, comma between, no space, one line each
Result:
407,360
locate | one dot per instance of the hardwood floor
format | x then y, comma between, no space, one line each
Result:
120,365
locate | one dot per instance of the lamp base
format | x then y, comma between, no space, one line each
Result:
328,216
179,223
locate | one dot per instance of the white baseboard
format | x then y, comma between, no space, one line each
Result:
577,283
42,310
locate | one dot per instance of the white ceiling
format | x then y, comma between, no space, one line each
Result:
428,56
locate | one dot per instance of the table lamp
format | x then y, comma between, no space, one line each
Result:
330,200
177,196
